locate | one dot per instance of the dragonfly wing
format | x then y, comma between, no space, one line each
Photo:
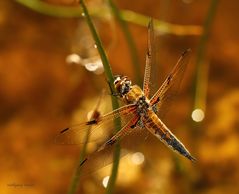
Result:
147,71
127,129
104,157
98,129
169,89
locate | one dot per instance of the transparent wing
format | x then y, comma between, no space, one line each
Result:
154,47
100,128
168,90
147,71
104,157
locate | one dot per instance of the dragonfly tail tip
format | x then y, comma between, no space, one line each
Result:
191,158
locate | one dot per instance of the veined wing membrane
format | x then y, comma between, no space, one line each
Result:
149,56
104,157
169,88
100,128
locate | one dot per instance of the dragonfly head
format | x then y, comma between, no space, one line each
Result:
122,84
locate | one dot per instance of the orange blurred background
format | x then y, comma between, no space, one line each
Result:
41,93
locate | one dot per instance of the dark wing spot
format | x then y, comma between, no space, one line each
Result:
96,114
92,122
169,79
64,130
83,161
186,51
158,99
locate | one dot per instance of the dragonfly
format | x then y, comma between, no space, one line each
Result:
140,115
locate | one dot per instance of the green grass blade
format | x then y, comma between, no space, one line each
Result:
115,104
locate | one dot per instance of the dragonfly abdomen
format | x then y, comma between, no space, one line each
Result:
155,126
158,129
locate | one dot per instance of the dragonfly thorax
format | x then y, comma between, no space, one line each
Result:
142,106
122,85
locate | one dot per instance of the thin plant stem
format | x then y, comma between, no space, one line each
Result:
115,104
201,65
114,170
76,177
98,43
129,39
101,12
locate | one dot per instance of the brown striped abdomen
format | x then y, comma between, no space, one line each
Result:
158,129
155,125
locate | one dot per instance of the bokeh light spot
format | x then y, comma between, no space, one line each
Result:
105,181
198,115
137,158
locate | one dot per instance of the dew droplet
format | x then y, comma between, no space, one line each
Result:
95,66
73,58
